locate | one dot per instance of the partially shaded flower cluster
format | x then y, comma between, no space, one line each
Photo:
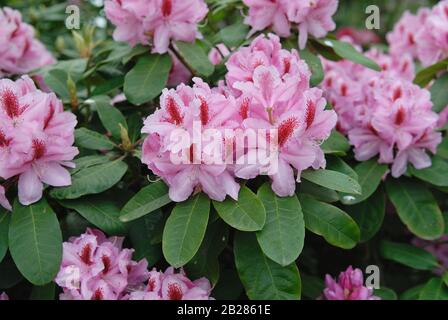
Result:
20,51
348,286
312,17
267,89
155,22
4,296
36,139
95,267
424,35
439,248
383,113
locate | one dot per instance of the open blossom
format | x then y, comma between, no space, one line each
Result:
424,35
439,248
275,96
98,268
20,51
218,53
170,285
348,286
312,17
155,22
36,138
383,113
189,111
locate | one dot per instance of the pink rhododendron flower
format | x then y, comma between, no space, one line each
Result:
311,16
424,35
402,40
383,113
20,51
276,96
155,21
218,53
181,110
36,138
170,285
348,286
3,200
439,248
98,268
4,296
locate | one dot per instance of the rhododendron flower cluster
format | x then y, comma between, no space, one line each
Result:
312,17
155,22
170,285
424,35
36,138
98,268
20,51
348,286
383,113
4,296
268,89
439,248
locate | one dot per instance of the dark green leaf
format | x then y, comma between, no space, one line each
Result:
35,242
425,76
262,278
147,200
196,58
148,78
332,180
92,140
315,65
110,116
416,207
336,144
408,255
282,237
46,292
434,289
436,174
185,230
318,192
246,214
4,227
385,293
234,35
330,222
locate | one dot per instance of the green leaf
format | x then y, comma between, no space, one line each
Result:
408,255
312,287
92,140
439,94
330,222
336,144
205,262
195,57
110,116
246,214
412,293
57,81
318,192
315,65
147,200
143,234
347,51
337,164
434,289
416,207
436,174
332,180
108,85
442,149
147,79
426,75
369,174
262,278
185,230
88,161
234,35
369,214
35,242
100,211
4,227
92,180
46,292
385,293
282,237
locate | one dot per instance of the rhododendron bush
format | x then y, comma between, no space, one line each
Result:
223,149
